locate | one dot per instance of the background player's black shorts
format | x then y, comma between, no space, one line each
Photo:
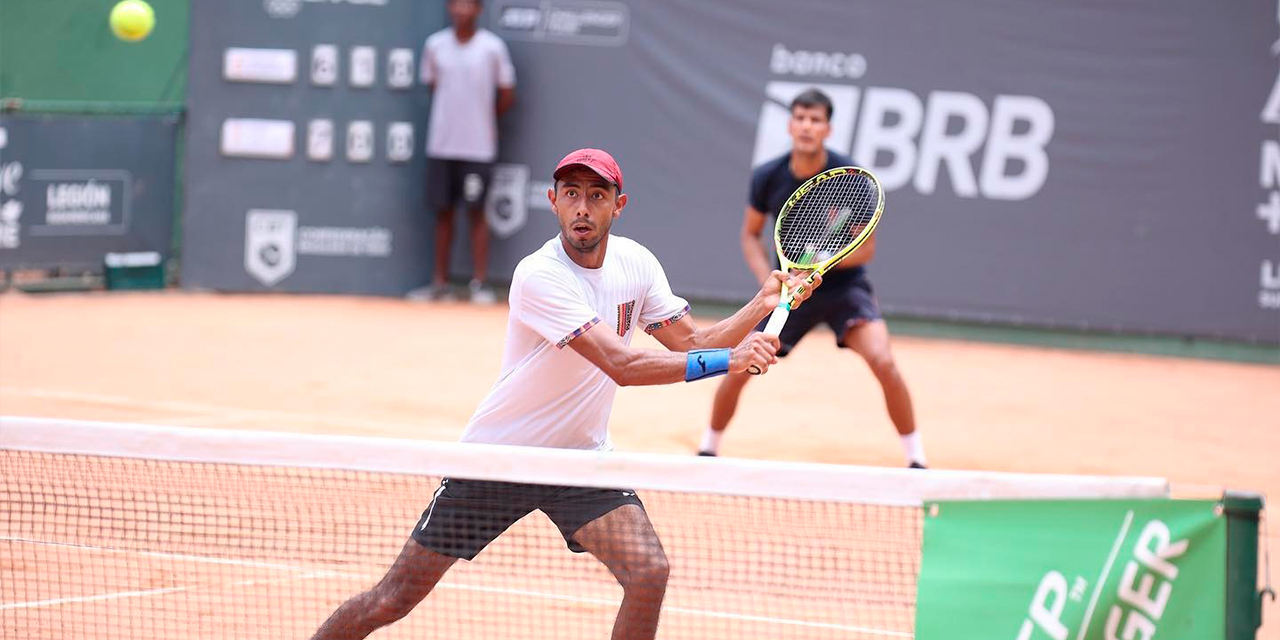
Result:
844,300
449,182
466,515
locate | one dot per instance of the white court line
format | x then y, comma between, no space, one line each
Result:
206,420
1102,577
685,610
153,592
308,573
106,596
161,554
199,408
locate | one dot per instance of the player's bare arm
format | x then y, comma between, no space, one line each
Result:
685,335
753,222
632,366
506,98
862,255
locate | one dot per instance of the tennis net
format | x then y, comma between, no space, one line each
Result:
130,531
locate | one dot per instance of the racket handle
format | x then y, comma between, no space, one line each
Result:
773,328
807,281
779,318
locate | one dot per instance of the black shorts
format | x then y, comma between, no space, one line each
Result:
449,182
466,515
845,300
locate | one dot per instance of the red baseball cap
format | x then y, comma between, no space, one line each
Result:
594,159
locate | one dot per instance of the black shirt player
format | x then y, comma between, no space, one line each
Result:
845,302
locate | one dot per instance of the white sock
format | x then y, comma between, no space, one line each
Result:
913,447
711,441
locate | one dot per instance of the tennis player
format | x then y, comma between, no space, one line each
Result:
846,303
575,305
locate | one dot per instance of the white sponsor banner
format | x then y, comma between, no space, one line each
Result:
359,141
291,8
320,140
400,68
80,202
257,138
324,65
399,141
272,66
363,67
273,241
591,22
345,241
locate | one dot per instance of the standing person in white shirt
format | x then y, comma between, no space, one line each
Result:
589,291
472,83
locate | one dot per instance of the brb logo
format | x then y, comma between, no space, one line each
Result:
905,138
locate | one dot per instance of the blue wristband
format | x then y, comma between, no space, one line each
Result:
705,363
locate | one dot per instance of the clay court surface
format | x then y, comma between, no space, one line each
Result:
383,367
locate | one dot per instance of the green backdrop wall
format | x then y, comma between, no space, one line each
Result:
61,56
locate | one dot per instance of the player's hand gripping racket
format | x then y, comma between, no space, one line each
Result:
825,219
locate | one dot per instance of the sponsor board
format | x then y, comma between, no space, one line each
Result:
273,241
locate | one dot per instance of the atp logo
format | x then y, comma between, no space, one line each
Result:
908,140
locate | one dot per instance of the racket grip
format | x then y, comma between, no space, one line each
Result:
807,281
778,319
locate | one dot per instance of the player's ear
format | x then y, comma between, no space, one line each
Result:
551,196
619,203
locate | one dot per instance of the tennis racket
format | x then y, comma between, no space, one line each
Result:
825,219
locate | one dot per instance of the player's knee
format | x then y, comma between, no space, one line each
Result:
647,572
882,364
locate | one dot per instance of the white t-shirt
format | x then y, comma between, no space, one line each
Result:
466,75
547,394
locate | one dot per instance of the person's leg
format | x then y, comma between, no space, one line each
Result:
463,518
871,341
443,185
474,193
414,573
479,292
479,245
858,325
725,405
722,410
624,540
444,242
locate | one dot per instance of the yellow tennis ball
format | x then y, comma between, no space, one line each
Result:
132,20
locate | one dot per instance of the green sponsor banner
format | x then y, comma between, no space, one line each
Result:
1072,569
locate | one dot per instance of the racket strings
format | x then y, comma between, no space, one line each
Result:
827,219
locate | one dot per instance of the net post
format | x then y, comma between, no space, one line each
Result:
1243,598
